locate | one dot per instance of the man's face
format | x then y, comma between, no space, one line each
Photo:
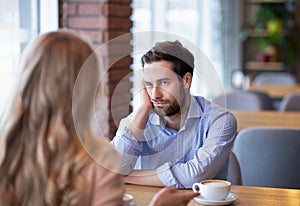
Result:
164,88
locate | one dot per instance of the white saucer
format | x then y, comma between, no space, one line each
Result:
229,199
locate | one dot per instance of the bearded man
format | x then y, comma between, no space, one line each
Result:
177,138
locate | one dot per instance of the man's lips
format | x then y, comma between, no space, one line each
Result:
158,104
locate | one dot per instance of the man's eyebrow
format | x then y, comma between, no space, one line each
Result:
165,78
159,80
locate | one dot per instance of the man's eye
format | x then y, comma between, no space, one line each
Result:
164,83
148,85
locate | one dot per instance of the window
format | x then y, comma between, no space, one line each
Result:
210,26
20,21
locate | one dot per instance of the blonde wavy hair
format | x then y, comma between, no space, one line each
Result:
42,155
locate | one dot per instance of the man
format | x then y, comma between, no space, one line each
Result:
180,139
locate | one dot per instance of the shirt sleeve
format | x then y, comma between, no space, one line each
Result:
127,146
209,160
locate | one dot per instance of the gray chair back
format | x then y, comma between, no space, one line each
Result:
234,171
269,157
267,102
279,78
239,100
290,102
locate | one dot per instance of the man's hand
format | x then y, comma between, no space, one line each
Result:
144,99
141,114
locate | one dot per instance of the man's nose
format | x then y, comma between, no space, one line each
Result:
156,92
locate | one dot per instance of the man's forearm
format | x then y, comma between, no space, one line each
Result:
138,122
144,177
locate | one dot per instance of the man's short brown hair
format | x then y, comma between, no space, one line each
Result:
181,58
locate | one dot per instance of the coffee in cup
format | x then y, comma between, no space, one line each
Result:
212,189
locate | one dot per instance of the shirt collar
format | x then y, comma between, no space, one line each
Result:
195,110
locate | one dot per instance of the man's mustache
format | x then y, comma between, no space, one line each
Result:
158,101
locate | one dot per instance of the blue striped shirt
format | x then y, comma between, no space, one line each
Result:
198,151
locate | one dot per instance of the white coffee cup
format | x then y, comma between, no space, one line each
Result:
212,189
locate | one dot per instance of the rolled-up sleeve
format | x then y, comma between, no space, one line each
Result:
127,146
165,174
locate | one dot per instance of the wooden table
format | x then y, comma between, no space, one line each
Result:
276,91
247,196
272,119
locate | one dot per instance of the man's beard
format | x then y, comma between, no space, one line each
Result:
172,109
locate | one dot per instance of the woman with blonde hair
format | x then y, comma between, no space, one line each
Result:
49,156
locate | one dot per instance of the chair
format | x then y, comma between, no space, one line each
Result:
291,102
279,78
234,171
269,157
267,102
239,100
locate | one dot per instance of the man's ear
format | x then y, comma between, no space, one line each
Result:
187,80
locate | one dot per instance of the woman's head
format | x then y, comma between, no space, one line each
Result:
50,69
43,155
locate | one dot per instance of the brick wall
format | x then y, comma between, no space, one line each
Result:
108,24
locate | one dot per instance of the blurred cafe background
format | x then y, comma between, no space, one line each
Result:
243,39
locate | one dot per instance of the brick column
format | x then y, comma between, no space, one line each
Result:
104,21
